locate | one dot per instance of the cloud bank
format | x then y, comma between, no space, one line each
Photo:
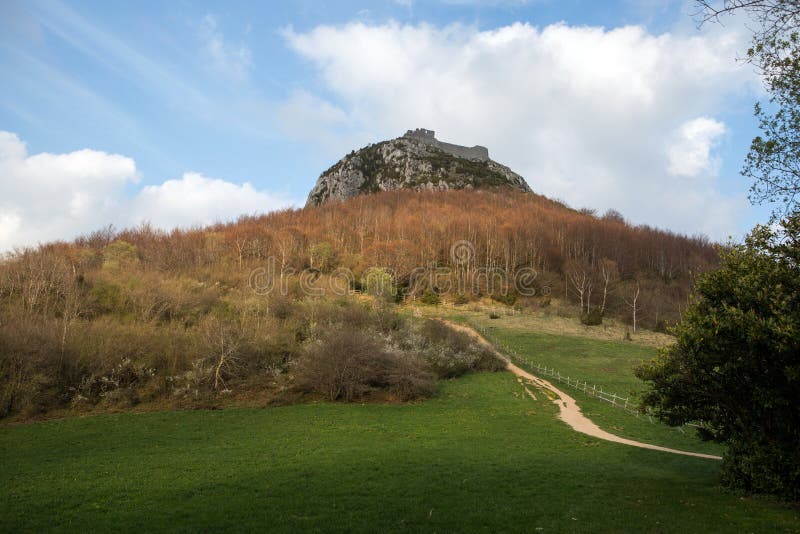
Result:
46,197
615,118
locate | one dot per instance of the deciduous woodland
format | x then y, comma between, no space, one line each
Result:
140,314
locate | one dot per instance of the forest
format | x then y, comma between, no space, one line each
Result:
122,317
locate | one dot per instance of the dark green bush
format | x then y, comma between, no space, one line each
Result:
735,365
593,318
509,298
430,298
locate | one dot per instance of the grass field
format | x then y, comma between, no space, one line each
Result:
479,457
588,354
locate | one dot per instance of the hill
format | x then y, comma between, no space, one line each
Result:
415,161
140,315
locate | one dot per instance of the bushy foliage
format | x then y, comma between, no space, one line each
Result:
357,353
593,317
72,313
347,364
451,353
430,298
121,337
509,298
460,299
735,367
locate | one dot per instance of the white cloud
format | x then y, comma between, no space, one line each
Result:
52,196
231,60
197,200
691,153
586,114
46,197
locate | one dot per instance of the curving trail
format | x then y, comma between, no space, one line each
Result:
570,413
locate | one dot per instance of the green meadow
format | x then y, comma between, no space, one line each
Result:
480,456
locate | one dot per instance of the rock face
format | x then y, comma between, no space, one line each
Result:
416,161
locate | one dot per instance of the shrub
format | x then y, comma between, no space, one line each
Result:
509,298
346,364
494,315
460,299
593,318
280,307
29,351
451,353
107,297
379,283
120,255
430,298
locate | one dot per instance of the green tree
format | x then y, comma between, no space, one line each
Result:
735,367
120,256
321,256
379,282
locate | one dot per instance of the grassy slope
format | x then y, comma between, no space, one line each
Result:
480,457
605,363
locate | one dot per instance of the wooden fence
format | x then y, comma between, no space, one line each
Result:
592,390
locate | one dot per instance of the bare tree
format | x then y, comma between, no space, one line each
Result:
241,244
583,286
72,305
632,304
287,246
608,271
223,340
775,16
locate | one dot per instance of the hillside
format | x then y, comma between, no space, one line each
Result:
140,315
415,161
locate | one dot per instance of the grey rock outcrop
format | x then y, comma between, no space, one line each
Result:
416,161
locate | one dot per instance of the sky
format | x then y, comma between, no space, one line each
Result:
184,113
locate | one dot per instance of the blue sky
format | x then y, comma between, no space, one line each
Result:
189,112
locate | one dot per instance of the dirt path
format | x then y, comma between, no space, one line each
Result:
570,413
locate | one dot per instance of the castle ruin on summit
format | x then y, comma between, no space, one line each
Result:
429,137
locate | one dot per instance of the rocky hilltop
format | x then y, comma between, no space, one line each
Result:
417,160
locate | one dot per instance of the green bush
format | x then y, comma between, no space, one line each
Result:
593,318
509,298
430,298
107,297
